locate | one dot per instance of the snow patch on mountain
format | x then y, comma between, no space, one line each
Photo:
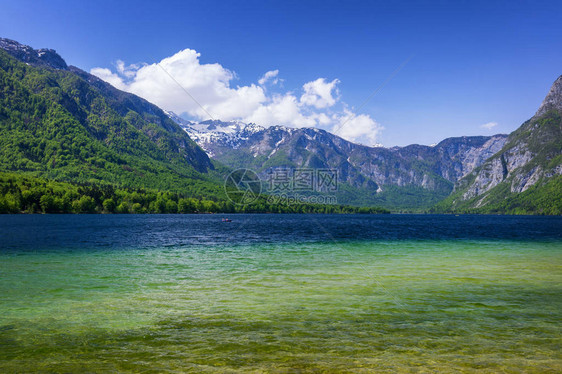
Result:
230,134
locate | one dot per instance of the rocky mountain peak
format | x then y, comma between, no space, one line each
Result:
553,99
38,57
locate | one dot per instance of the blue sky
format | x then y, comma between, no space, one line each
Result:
470,63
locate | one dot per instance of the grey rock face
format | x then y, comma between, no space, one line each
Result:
39,57
528,157
553,100
433,168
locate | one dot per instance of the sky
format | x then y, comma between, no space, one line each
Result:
374,72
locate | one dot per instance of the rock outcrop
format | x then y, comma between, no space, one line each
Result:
37,57
531,155
434,168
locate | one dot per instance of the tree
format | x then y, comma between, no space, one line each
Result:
109,205
123,208
171,206
47,203
85,204
137,208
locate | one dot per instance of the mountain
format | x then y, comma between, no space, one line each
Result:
415,176
215,132
60,122
40,57
72,143
525,176
553,100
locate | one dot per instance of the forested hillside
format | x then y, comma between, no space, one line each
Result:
56,124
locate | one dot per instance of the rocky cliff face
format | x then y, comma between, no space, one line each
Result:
39,57
531,155
553,100
434,168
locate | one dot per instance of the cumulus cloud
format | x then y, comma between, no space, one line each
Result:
182,84
282,109
167,83
489,125
270,75
111,78
127,71
319,93
361,128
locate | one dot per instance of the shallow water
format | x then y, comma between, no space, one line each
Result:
280,293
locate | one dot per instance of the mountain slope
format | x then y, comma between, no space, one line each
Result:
516,179
61,122
400,178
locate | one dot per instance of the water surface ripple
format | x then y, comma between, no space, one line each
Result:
280,293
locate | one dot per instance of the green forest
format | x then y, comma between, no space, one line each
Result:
20,194
543,198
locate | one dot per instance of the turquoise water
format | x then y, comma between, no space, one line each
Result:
280,294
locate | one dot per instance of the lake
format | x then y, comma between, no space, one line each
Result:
280,293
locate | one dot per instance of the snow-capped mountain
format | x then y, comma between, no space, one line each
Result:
214,132
432,169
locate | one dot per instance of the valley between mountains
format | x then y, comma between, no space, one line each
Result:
61,124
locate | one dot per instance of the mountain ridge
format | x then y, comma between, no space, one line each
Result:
368,170
530,159
60,122
553,100
39,57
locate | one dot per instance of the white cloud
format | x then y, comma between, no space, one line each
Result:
489,125
109,77
127,71
181,83
165,84
282,109
318,93
270,75
360,128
